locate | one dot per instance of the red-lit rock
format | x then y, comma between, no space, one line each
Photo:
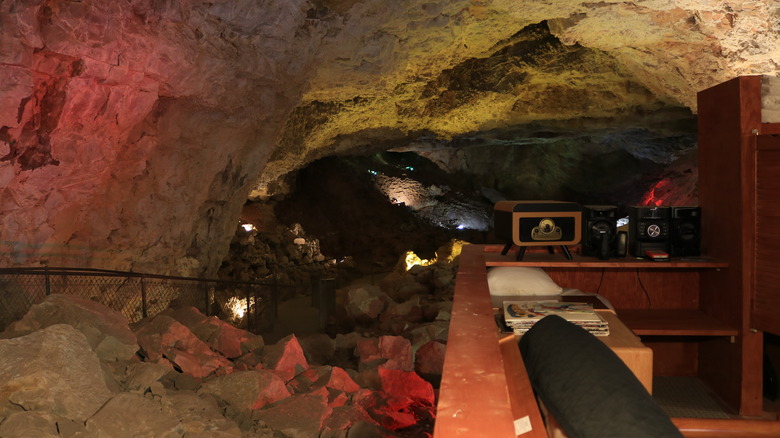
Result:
221,336
285,358
163,336
405,400
407,385
388,412
250,361
341,380
343,418
324,376
337,398
429,361
395,350
304,381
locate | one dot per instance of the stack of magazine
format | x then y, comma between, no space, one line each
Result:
522,315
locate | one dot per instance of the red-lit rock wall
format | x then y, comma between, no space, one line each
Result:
129,129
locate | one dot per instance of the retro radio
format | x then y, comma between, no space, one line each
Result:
537,223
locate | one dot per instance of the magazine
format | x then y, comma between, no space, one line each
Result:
522,315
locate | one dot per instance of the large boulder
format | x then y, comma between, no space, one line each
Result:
429,361
365,303
318,348
129,415
199,414
53,369
394,352
107,330
140,376
23,424
299,416
286,358
403,400
333,378
401,286
220,336
398,318
247,390
163,337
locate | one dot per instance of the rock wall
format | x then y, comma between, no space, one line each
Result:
132,131
129,130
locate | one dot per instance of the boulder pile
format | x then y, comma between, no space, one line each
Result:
75,368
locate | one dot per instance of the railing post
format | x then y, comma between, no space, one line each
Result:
207,306
327,300
47,281
274,302
315,280
144,310
248,316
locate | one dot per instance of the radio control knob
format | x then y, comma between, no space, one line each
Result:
654,230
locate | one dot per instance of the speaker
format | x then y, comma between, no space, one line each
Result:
599,231
686,231
649,228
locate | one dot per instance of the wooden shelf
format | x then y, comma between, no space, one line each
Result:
673,322
544,259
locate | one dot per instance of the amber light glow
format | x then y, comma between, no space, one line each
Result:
238,307
411,259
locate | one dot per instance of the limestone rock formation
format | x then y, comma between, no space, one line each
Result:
132,132
106,330
52,370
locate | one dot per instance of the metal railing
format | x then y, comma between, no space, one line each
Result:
248,305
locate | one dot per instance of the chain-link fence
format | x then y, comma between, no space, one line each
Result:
248,305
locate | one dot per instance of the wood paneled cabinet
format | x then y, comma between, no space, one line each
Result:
738,194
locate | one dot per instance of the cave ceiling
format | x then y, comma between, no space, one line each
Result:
132,132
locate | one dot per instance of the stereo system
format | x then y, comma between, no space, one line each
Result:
673,230
649,229
600,236
653,232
